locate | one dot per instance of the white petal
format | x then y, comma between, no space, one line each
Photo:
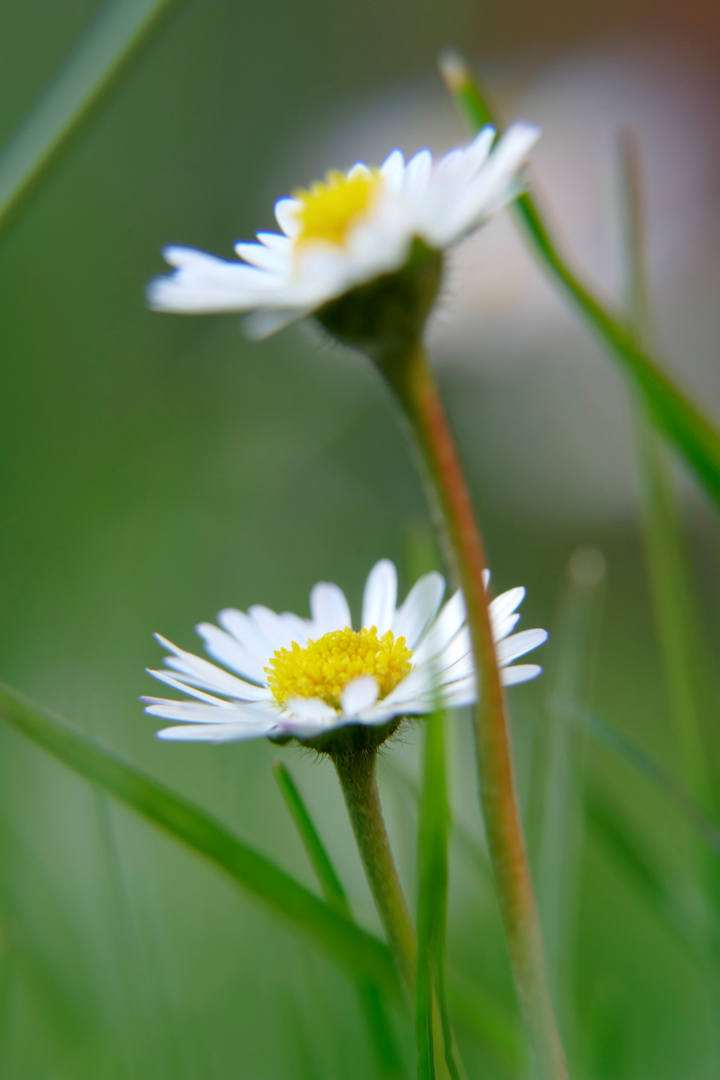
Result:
263,257
459,646
329,608
393,170
502,629
359,169
415,684
276,242
196,713
451,164
298,629
417,174
286,211
228,650
505,604
477,152
211,675
519,673
185,688
379,597
358,695
463,668
214,732
462,693
420,607
272,626
519,644
242,627
443,630
311,709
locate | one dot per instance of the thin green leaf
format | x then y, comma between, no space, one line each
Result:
467,844
640,869
605,733
346,943
672,411
432,890
669,573
329,882
101,59
371,995
431,993
491,1023
562,825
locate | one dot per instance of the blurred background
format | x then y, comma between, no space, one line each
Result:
155,469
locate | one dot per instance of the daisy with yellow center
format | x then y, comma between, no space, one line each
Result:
348,230
287,676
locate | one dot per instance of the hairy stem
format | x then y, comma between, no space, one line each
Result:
358,780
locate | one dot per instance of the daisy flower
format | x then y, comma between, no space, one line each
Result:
348,230
292,677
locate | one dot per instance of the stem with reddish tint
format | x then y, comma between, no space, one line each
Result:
412,381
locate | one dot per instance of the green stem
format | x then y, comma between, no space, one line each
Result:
413,383
358,780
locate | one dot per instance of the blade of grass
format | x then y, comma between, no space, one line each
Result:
491,1023
673,413
373,1000
330,884
641,870
113,42
669,574
676,612
605,733
467,844
350,946
432,860
562,825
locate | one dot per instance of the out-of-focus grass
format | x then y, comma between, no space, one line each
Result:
155,470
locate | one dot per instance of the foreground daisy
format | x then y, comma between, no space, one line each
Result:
306,678
348,230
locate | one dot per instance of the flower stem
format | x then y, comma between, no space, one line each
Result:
413,383
358,780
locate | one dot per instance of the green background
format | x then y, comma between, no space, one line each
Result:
154,470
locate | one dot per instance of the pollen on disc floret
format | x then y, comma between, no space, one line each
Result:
325,667
329,208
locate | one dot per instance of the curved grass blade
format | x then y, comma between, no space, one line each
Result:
431,993
101,59
641,870
350,946
672,411
562,825
330,884
493,1024
373,1000
642,763
673,593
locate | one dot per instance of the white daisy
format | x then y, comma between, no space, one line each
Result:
292,677
347,230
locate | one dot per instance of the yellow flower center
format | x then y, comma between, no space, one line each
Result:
329,208
324,667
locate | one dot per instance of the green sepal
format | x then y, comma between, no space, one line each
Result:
386,316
